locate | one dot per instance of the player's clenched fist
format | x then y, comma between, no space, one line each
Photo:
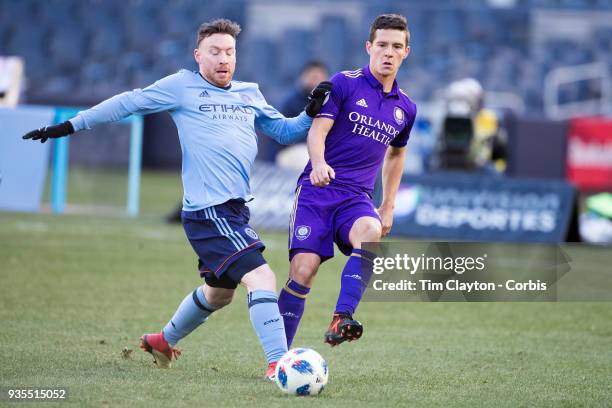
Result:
50,132
321,175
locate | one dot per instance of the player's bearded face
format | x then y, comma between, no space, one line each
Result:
216,57
387,51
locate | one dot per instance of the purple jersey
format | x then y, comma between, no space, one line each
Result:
366,122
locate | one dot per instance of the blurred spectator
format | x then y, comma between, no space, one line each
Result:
312,74
296,156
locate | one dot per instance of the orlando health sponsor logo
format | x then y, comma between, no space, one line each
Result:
375,129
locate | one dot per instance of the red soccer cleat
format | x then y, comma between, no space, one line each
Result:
271,371
162,352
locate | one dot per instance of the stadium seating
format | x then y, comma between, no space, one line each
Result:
95,48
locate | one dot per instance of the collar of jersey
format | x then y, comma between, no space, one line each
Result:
375,84
227,88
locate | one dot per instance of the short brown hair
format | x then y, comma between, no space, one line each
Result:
218,26
389,22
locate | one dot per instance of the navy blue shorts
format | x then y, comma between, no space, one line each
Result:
220,236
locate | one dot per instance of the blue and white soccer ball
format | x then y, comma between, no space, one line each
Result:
301,371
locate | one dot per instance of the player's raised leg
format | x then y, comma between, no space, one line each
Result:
265,316
353,283
292,298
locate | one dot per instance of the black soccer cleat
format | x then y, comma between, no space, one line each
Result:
342,328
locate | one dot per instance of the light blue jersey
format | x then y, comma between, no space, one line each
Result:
216,128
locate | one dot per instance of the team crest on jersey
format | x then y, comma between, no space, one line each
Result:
398,115
246,98
251,233
302,232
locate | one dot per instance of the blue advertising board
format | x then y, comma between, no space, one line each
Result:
458,206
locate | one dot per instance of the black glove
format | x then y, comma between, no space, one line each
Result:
317,98
50,132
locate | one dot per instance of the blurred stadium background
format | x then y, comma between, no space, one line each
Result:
536,105
513,142
80,52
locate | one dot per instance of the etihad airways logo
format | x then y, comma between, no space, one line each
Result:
222,108
227,112
375,129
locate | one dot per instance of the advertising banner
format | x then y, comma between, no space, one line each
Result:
457,206
589,155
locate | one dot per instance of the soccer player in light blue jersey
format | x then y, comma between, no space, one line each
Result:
216,118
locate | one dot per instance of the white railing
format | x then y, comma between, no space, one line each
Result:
558,77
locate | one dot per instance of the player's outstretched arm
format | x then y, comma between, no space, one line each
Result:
290,130
321,174
393,168
162,95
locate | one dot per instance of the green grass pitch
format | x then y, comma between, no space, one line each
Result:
78,290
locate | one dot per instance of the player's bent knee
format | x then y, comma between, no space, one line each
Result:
245,265
365,230
260,278
304,267
373,232
218,297
302,273
369,231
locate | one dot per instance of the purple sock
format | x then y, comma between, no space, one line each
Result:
352,283
291,305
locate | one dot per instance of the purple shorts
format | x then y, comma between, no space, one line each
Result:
324,215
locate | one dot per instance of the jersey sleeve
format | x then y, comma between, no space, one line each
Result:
275,125
163,95
402,138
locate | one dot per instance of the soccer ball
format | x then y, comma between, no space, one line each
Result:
301,371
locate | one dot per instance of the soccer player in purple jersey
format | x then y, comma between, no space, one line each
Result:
364,124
